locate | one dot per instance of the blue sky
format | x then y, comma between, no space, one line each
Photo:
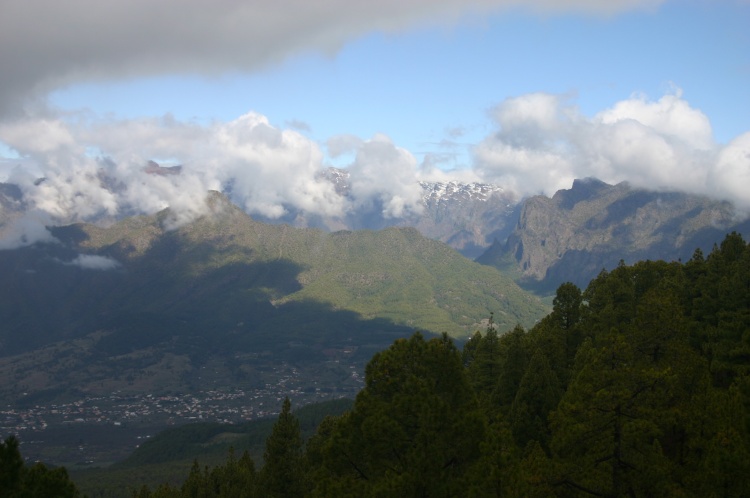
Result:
652,92
416,84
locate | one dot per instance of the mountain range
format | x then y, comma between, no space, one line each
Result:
466,216
546,241
543,241
229,301
576,233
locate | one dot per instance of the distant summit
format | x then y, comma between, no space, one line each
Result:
466,216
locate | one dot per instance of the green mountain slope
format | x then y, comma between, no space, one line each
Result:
231,295
394,273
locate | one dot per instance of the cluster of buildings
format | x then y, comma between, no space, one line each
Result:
118,409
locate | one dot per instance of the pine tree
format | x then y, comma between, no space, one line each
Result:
18,481
566,306
605,427
496,471
484,368
538,394
282,473
11,467
514,347
414,430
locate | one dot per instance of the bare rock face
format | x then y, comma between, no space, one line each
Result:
466,216
592,226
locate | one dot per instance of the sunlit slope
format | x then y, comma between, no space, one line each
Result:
395,273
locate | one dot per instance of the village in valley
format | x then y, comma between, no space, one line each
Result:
62,431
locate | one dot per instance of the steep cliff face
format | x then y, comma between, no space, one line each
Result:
592,226
548,228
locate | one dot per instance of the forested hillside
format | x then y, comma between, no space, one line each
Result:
637,386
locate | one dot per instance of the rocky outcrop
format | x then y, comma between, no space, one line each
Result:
592,226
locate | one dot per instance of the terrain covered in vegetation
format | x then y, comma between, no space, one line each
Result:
637,386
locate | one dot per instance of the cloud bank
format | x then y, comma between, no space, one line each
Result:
99,168
83,169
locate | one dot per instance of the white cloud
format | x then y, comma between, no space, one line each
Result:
523,117
543,143
730,178
269,170
26,230
44,135
339,145
94,262
387,176
266,170
529,153
670,116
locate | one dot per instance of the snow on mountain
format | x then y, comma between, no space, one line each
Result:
441,192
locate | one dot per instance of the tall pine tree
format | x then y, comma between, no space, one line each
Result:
282,474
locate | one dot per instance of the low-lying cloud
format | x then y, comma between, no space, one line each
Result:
94,262
30,228
95,169
89,169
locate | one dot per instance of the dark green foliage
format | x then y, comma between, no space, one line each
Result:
514,348
11,466
37,481
235,479
606,427
282,472
538,394
43,482
483,363
414,429
636,387
566,307
469,353
495,473
639,386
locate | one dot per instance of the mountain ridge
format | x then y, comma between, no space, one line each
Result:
577,232
541,240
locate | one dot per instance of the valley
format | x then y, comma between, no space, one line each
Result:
118,331
97,431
